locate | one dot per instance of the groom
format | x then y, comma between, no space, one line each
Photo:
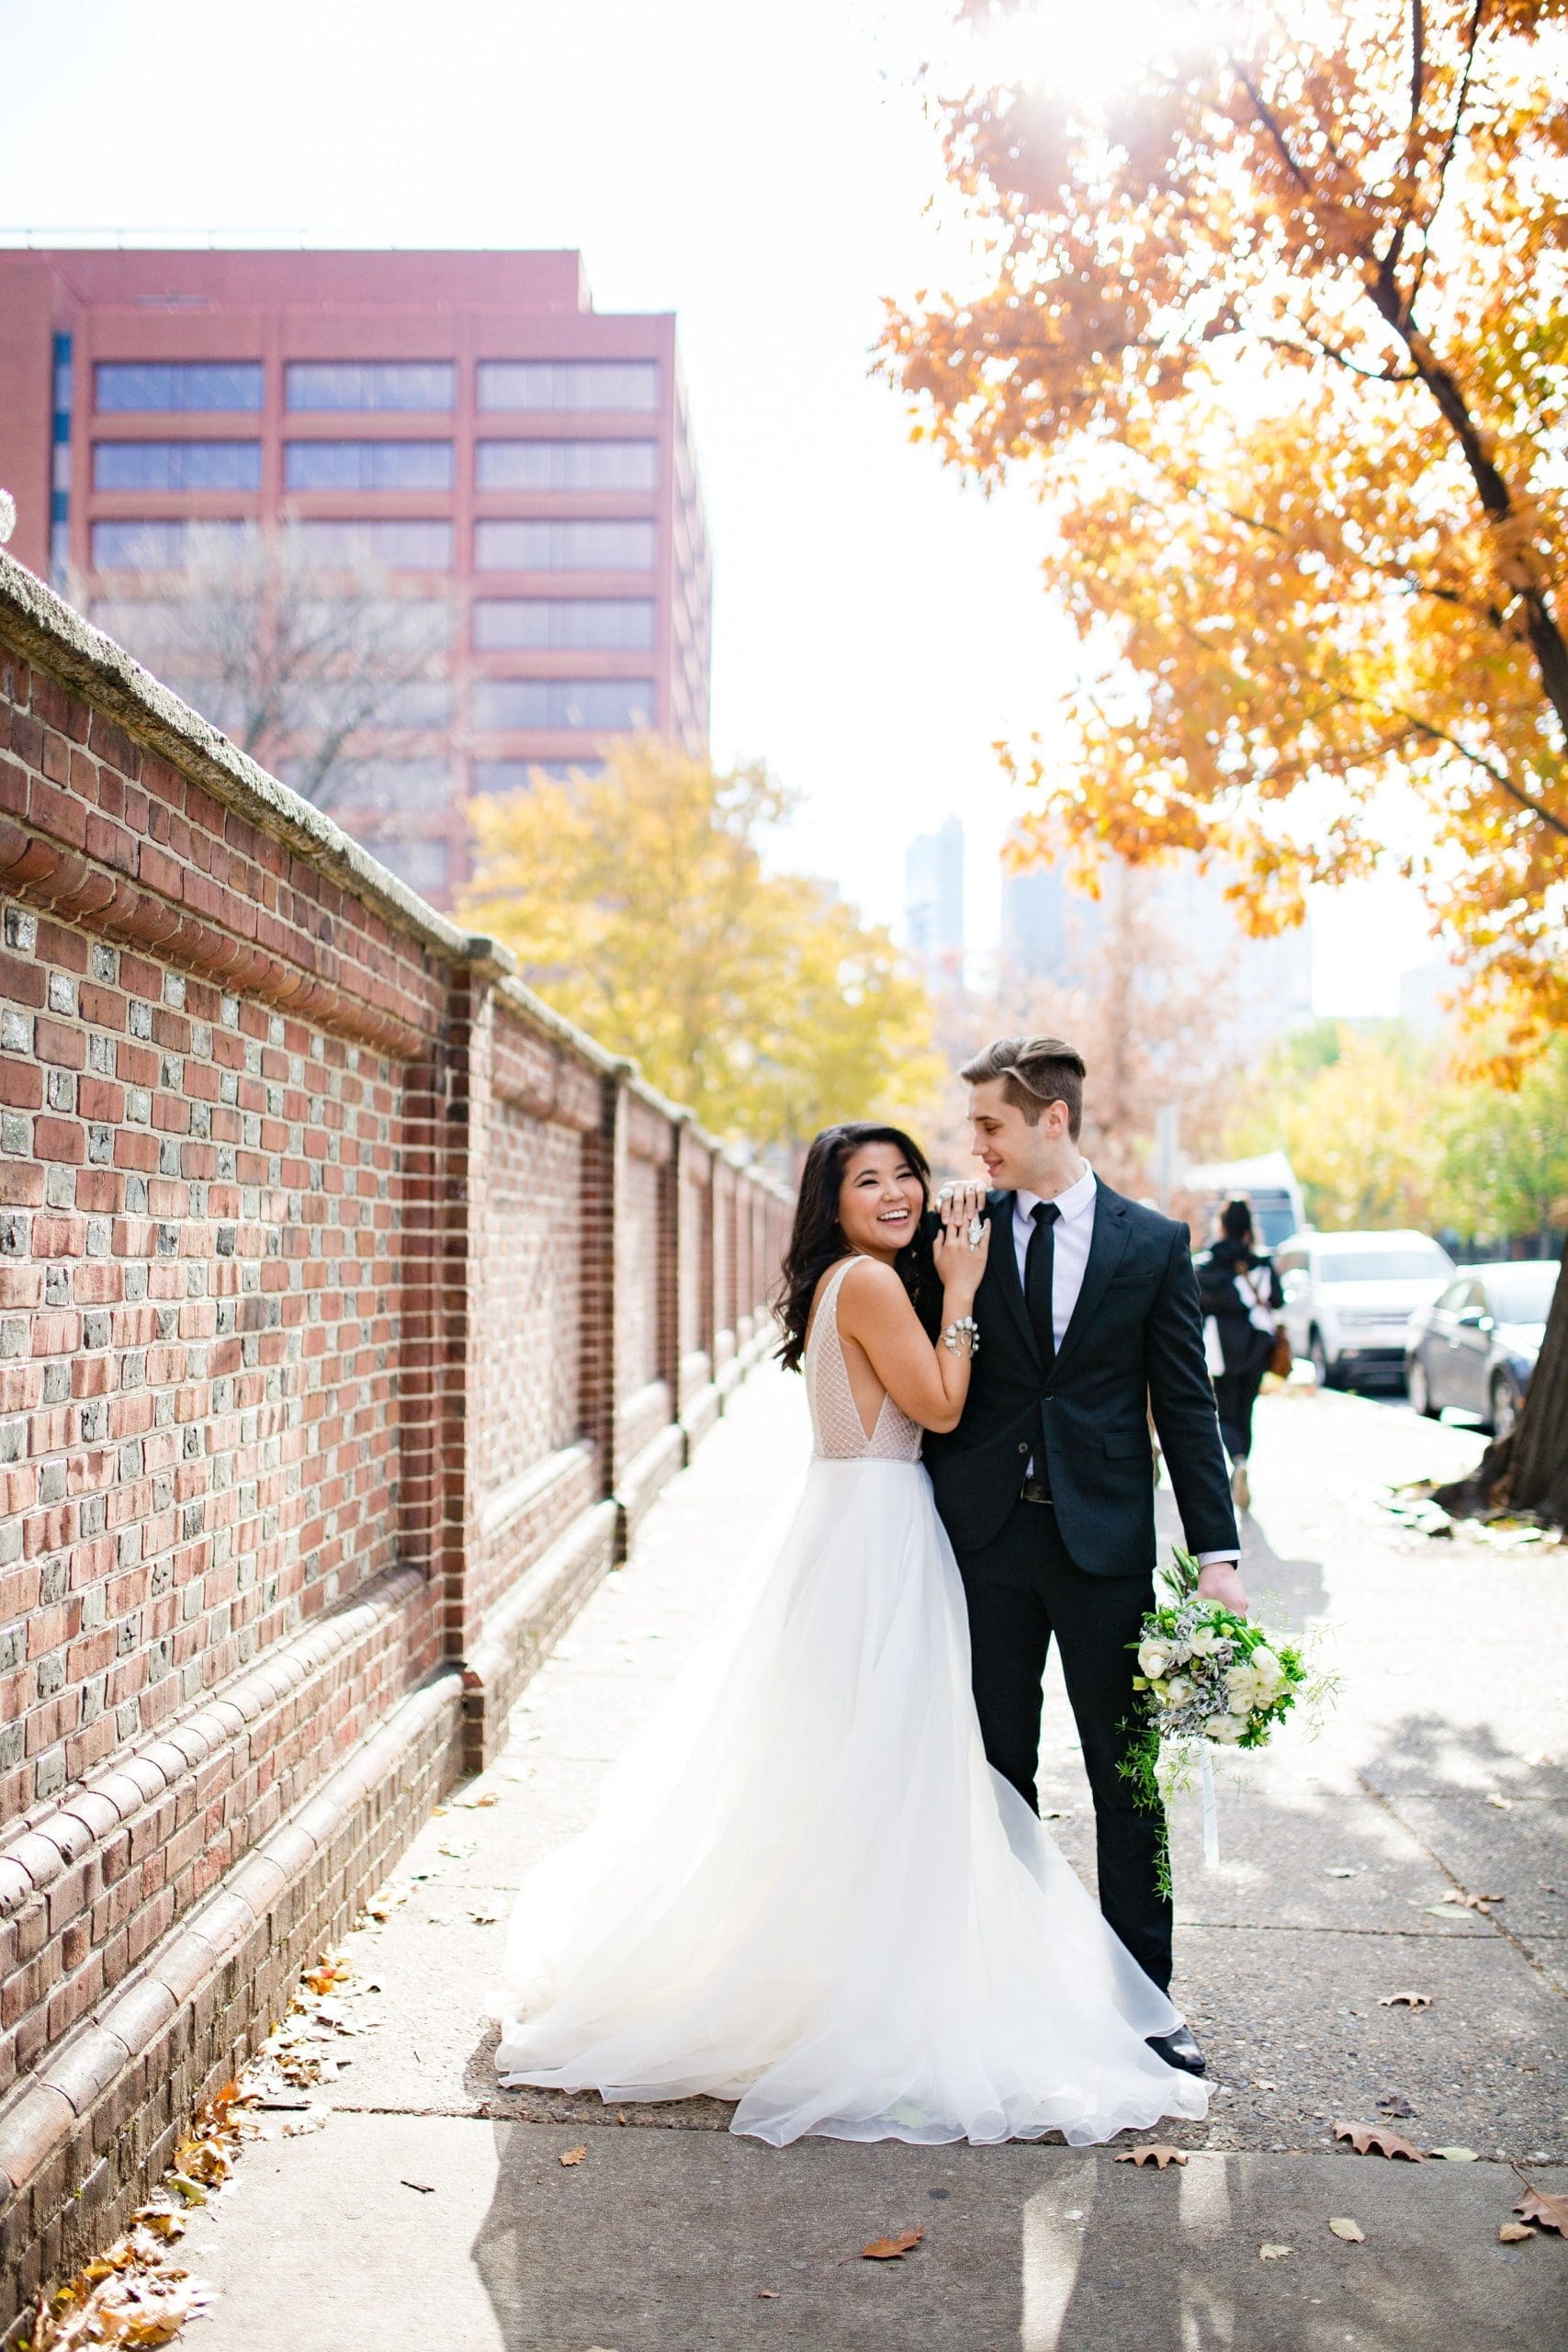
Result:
1089,1321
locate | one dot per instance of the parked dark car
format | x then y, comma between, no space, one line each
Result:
1476,1345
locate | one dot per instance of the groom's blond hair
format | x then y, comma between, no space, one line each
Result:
1034,1072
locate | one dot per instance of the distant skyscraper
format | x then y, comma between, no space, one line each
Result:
933,903
1049,929
1052,930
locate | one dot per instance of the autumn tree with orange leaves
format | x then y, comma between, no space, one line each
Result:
1277,322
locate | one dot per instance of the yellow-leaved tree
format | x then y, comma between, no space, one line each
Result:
1278,326
639,905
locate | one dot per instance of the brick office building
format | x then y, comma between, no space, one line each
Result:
464,422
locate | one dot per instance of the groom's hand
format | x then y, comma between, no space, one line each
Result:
1221,1581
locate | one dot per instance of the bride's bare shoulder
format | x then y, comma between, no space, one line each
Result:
872,1292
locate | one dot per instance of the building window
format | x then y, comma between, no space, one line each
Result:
423,865
563,624
164,546
608,385
166,387
566,465
504,704
367,465
390,786
361,384
59,466
402,624
517,775
389,547
176,465
561,546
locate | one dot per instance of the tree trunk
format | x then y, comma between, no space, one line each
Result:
1528,1472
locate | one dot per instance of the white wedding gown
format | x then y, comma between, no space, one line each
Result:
805,1890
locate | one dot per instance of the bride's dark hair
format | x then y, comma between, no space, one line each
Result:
817,1241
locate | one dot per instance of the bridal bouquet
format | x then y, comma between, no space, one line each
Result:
1206,1676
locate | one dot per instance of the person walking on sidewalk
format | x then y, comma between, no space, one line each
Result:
1239,1289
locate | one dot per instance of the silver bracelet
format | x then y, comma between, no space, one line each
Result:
966,1330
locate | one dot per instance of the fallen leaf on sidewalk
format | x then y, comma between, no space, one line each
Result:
1552,2212
1340,1873
1376,2139
1394,2103
1502,1805
316,2121
892,2249
1351,2231
1514,2233
770,2294
1456,1899
484,1918
1153,2152
1455,2155
1266,2252
425,2188
1405,2001
572,2156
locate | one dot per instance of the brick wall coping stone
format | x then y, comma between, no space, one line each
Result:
48,631
55,1836
88,2061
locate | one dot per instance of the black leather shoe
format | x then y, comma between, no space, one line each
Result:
1180,2049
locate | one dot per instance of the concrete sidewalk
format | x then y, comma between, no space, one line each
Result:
431,2206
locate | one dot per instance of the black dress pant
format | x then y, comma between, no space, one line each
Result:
1021,1589
1236,1393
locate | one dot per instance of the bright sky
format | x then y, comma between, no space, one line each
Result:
764,174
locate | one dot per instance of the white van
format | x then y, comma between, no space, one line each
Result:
1350,1297
1269,1182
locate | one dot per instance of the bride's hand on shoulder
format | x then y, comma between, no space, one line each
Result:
962,1245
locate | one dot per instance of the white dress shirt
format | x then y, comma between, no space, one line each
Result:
1074,1234
1075,1231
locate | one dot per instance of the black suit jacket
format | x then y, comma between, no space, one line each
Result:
1135,1344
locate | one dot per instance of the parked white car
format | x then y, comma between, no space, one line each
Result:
1350,1297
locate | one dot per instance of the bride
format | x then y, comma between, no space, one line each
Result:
804,1889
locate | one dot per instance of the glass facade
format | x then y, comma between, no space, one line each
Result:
59,464
500,705
367,465
558,544
390,547
176,465
564,623
423,865
566,465
607,385
163,545
399,787
406,623
166,387
362,384
517,775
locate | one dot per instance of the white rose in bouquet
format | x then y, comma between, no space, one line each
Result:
1205,1641
1266,1667
1153,1659
1242,1687
1226,1729
1178,1691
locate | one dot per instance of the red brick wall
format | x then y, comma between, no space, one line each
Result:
344,1293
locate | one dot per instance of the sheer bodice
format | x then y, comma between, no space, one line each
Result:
837,1433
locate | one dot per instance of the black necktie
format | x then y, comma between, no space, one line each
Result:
1039,1277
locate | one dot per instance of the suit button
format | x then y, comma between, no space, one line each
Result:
1024,1448
1048,1398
